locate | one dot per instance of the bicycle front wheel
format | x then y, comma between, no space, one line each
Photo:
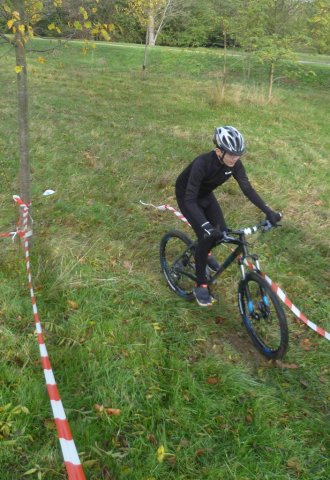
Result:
178,263
263,316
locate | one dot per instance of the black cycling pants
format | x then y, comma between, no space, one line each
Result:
211,209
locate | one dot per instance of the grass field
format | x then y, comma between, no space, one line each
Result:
106,135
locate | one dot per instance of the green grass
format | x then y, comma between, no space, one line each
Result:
104,135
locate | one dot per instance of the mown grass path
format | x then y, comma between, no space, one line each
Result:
196,401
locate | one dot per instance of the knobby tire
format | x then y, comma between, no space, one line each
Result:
178,263
263,316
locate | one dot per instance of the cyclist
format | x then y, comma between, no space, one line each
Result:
194,193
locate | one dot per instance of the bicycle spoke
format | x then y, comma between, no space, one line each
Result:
263,316
177,262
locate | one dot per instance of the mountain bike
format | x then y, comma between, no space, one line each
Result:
259,306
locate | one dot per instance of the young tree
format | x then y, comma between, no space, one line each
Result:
19,18
226,19
268,28
151,14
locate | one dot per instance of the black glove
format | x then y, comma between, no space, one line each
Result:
211,232
273,217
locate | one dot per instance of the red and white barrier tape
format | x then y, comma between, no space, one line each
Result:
167,207
69,451
274,285
294,309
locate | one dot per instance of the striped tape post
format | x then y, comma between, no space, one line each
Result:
279,292
71,458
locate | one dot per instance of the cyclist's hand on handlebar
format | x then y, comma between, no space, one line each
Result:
273,217
211,232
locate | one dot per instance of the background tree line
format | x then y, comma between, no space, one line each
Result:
271,30
302,24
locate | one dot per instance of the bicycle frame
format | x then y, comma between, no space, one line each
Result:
259,307
240,253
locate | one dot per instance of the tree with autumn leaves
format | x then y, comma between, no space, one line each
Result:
18,27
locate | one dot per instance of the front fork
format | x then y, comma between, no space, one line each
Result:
256,264
263,304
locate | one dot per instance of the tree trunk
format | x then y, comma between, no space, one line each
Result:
162,20
224,78
151,30
271,80
247,66
145,59
23,123
24,168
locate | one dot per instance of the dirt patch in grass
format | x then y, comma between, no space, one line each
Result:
243,349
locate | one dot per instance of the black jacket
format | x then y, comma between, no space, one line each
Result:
206,173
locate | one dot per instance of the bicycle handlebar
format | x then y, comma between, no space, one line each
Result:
264,225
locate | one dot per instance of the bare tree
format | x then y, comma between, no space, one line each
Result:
152,15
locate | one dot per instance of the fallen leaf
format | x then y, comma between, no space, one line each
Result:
128,265
306,344
186,396
171,459
249,418
157,326
151,438
293,464
286,365
200,452
213,380
160,453
106,474
109,411
304,384
73,304
219,320
50,424
224,426
90,463
113,411
183,443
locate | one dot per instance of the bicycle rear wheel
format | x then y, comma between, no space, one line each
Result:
263,316
178,263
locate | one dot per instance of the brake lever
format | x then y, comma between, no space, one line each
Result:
227,239
268,225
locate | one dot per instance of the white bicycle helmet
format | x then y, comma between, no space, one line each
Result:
229,140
